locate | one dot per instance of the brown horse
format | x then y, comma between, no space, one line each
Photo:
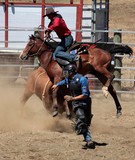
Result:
95,61
39,83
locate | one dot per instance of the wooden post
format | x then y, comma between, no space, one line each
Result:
118,63
6,23
79,21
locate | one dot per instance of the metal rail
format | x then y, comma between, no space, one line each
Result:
73,30
115,79
17,52
129,68
124,92
19,65
82,30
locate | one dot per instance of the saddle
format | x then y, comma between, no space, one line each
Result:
76,49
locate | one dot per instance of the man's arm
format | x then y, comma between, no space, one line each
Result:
85,91
70,98
61,83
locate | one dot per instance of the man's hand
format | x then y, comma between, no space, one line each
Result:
68,98
47,34
54,87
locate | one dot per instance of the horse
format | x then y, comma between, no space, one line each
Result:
39,83
133,58
94,60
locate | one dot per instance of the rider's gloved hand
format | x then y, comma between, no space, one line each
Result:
47,34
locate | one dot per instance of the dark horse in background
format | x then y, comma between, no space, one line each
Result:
95,61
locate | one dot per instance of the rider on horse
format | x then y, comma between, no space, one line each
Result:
58,25
81,101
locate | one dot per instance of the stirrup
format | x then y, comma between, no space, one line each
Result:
77,57
78,62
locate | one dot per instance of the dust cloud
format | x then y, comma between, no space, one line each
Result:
31,117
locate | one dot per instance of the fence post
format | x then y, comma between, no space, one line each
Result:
118,63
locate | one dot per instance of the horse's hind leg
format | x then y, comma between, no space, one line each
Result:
55,103
112,91
115,97
103,70
109,77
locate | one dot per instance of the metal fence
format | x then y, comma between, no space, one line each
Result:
128,37
11,70
11,67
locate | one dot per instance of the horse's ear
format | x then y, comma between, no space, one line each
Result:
32,36
37,34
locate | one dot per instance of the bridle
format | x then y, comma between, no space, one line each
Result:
38,53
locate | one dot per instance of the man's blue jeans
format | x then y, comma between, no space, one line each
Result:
60,51
87,136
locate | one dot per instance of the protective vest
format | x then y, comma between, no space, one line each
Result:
75,86
76,90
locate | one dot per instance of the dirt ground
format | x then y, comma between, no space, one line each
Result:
36,135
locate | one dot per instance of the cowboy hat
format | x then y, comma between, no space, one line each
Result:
49,11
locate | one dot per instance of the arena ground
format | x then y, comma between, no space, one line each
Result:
36,135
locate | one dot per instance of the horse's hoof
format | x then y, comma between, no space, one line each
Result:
118,114
106,94
105,91
55,113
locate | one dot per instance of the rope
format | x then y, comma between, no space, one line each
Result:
45,86
37,79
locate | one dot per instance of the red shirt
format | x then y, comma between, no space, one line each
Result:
59,26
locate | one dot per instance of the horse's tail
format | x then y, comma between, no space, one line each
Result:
121,50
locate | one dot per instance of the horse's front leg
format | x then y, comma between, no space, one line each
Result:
68,113
24,98
55,103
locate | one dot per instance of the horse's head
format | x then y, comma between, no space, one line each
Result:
32,48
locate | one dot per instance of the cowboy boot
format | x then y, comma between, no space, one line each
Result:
90,144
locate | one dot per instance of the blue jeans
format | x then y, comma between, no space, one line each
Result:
62,47
87,136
